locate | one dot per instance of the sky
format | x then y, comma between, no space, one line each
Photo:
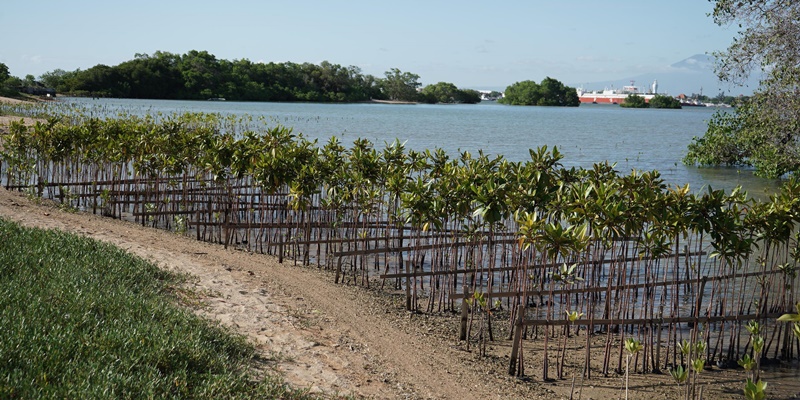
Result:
473,44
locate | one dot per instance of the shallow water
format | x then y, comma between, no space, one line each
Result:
640,139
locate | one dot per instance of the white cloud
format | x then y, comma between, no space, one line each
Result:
36,59
598,59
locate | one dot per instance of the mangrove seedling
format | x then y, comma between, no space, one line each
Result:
755,390
633,346
679,374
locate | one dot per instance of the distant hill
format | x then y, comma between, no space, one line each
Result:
688,76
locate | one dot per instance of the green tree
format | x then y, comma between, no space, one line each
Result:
634,101
200,75
445,92
154,76
7,84
468,96
400,86
555,93
762,132
4,74
201,72
53,79
98,80
550,92
661,101
442,92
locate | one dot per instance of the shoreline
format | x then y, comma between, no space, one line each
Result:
6,120
11,100
392,102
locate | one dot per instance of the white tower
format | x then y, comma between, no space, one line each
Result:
655,86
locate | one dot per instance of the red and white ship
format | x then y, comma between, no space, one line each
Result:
616,96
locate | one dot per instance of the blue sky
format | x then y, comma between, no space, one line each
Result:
476,44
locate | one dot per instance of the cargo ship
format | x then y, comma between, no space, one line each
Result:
616,96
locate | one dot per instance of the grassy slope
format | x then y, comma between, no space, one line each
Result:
83,319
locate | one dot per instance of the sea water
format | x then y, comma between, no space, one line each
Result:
640,139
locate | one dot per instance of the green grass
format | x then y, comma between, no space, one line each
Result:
83,319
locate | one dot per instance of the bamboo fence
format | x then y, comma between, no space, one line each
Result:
606,249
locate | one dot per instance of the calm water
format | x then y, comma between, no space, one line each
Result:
632,138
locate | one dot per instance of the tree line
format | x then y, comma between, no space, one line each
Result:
658,101
199,75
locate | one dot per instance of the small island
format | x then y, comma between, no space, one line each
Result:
550,92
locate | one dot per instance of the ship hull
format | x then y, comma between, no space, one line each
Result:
597,98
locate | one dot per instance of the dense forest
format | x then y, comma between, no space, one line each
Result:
199,75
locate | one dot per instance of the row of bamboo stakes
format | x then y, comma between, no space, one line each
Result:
489,276
685,290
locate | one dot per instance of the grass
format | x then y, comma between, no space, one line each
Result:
83,319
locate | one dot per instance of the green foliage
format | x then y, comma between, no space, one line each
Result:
723,144
698,364
566,275
4,74
53,79
746,362
793,318
679,374
661,101
444,92
199,75
8,83
722,98
469,96
633,346
83,319
400,86
762,133
550,92
634,101
752,136
755,390
573,316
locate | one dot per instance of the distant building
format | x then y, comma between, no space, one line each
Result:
490,95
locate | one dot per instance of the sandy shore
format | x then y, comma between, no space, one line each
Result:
12,101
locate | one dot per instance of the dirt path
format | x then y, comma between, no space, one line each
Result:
330,338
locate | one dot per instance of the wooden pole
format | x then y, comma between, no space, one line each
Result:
516,342
464,312
408,283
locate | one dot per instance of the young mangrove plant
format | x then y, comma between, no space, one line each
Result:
633,347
